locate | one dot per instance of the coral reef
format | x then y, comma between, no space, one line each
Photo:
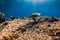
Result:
23,29
34,15
2,17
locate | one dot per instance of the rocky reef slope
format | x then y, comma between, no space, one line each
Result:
22,29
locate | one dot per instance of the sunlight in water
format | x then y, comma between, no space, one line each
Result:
36,1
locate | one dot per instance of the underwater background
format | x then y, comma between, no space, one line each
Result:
23,8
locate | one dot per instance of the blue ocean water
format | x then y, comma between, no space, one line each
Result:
21,8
